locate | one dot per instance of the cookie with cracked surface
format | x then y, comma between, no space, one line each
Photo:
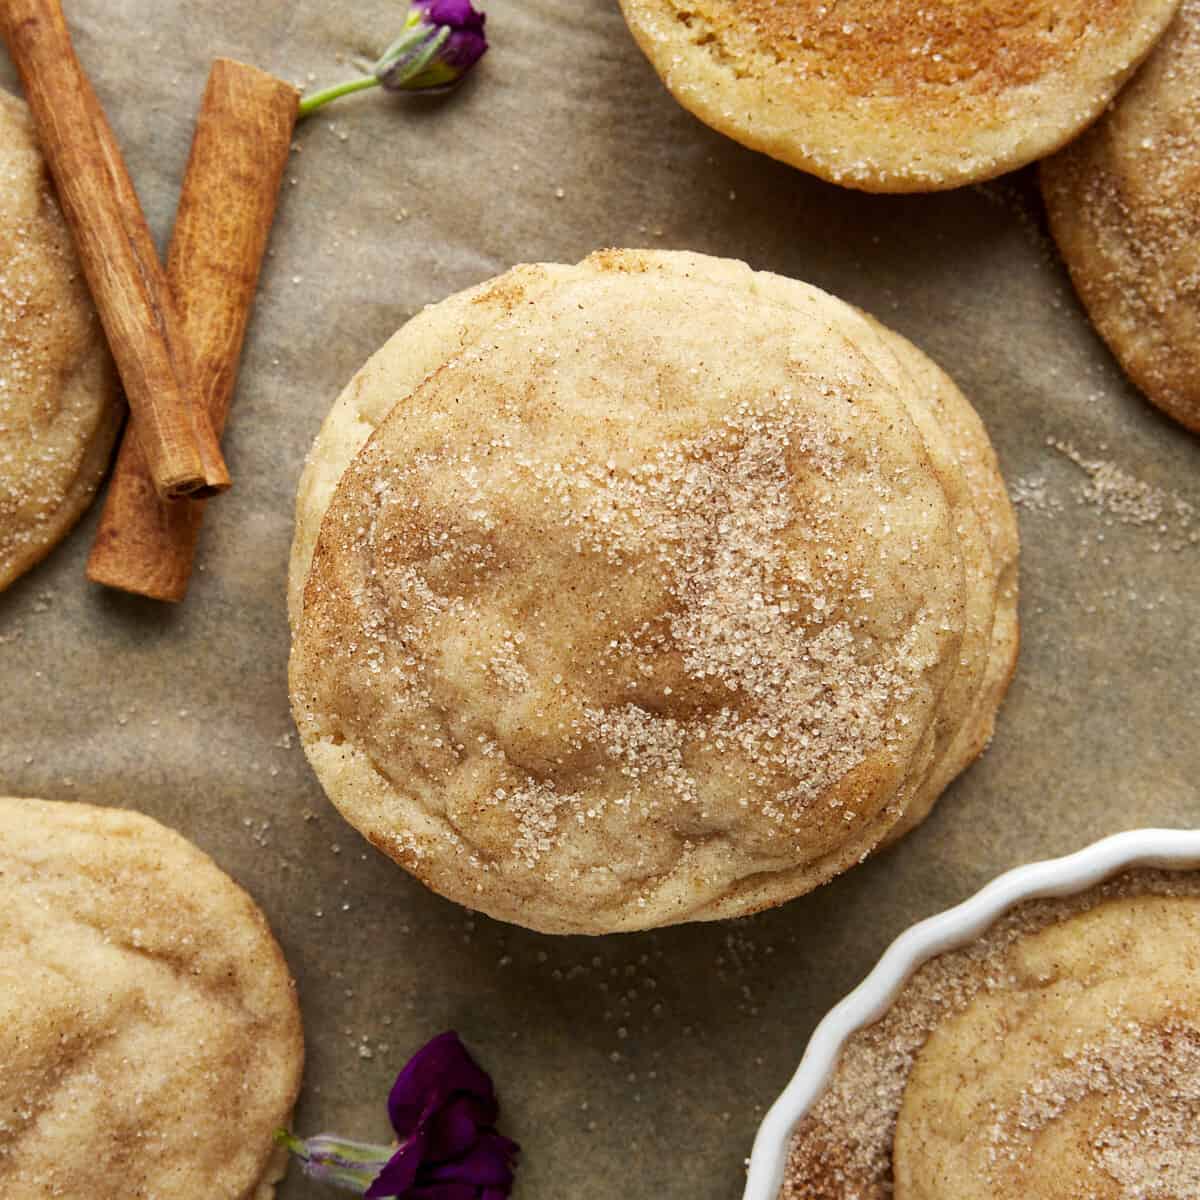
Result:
149,1032
903,96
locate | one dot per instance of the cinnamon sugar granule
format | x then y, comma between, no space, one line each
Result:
507,667
1133,501
536,809
1116,494
1032,493
799,699
842,1149
646,746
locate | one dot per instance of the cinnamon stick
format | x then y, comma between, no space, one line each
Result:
216,474
116,251
239,152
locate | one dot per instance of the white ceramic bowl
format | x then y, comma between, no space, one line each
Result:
1170,848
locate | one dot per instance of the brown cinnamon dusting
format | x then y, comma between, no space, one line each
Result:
801,702
1123,206
909,50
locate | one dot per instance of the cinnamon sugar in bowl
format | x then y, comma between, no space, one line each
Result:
1043,1034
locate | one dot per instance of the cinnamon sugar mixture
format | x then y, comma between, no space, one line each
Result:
31,457
1131,500
1148,1081
762,624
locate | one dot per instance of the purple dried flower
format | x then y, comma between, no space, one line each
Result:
441,41
443,1108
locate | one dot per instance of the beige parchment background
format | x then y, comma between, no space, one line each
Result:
634,1066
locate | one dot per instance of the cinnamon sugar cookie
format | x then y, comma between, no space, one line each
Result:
60,404
150,1041
1124,206
897,97
1054,1058
1079,1077
610,623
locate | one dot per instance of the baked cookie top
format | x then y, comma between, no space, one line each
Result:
901,96
1124,207
637,608
1078,1078
60,403
149,1031
1053,1058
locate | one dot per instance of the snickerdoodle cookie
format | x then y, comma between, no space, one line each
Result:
1055,1057
904,96
60,403
1124,205
150,1040
648,590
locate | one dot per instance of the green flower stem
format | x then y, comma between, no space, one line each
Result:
310,104
289,1141
415,37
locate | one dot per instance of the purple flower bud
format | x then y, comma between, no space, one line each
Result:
441,42
443,1108
458,14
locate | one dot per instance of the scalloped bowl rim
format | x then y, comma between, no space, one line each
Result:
1173,849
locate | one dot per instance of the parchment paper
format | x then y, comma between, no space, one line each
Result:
634,1066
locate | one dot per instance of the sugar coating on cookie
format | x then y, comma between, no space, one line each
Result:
897,97
150,1037
1054,1056
637,594
1124,208
1080,1076
60,404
